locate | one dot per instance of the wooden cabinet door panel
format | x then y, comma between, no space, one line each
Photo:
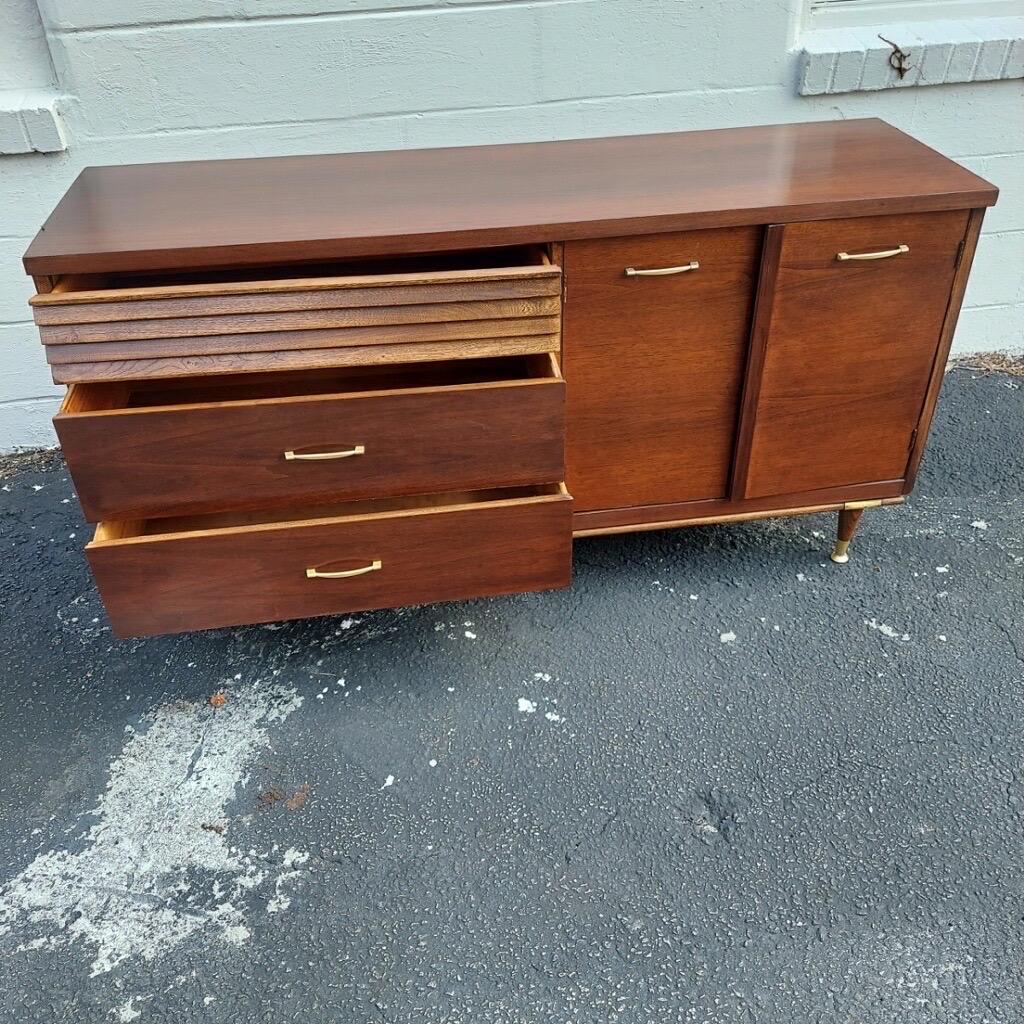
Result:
850,345
654,365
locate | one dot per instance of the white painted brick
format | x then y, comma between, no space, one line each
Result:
26,374
31,185
984,117
816,72
70,15
315,69
1015,60
40,117
74,15
849,65
24,61
1006,172
13,139
997,275
28,424
990,329
15,287
961,64
592,48
991,59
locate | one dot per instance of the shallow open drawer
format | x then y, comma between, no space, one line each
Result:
262,440
487,302
170,575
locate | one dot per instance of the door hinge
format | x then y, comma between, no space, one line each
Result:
913,440
565,281
869,503
959,255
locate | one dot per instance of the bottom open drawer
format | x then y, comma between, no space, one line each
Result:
199,572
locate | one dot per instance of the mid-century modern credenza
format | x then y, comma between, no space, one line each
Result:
307,385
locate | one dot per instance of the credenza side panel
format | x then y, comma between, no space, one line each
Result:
654,364
849,349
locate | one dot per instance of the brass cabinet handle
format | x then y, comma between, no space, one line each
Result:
883,255
316,574
324,456
662,271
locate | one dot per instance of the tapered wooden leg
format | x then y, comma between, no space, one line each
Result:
849,520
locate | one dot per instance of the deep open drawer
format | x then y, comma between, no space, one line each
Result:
502,301
194,572
158,448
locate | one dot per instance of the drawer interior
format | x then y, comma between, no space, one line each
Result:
111,396
430,263
125,530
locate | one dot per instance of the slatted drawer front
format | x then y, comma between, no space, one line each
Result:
204,572
154,327
267,440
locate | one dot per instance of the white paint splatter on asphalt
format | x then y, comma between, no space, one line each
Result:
148,875
527,707
727,638
127,1012
886,630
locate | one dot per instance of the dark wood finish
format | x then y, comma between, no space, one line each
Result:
850,349
970,245
290,209
215,315
230,575
654,365
659,517
765,296
225,451
849,520
718,519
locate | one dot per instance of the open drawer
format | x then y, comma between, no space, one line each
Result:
262,440
489,302
171,575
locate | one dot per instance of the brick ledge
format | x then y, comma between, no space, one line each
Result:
30,122
938,52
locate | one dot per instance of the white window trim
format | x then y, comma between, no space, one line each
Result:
938,52
822,14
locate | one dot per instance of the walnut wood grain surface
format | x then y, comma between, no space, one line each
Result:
301,359
229,576
244,212
850,350
658,517
654,365
217,455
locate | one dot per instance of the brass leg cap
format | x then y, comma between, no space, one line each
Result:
839,552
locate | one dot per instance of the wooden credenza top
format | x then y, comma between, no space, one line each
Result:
206,214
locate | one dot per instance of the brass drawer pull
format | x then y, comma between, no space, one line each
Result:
316,574
324,456
883,255
662,271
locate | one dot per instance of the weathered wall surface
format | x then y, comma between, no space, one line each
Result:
191,79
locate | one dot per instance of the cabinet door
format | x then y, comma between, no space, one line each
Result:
654,364
848,349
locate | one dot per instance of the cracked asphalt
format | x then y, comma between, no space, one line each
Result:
719,780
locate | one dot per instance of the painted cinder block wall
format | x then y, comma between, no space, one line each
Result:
156,80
